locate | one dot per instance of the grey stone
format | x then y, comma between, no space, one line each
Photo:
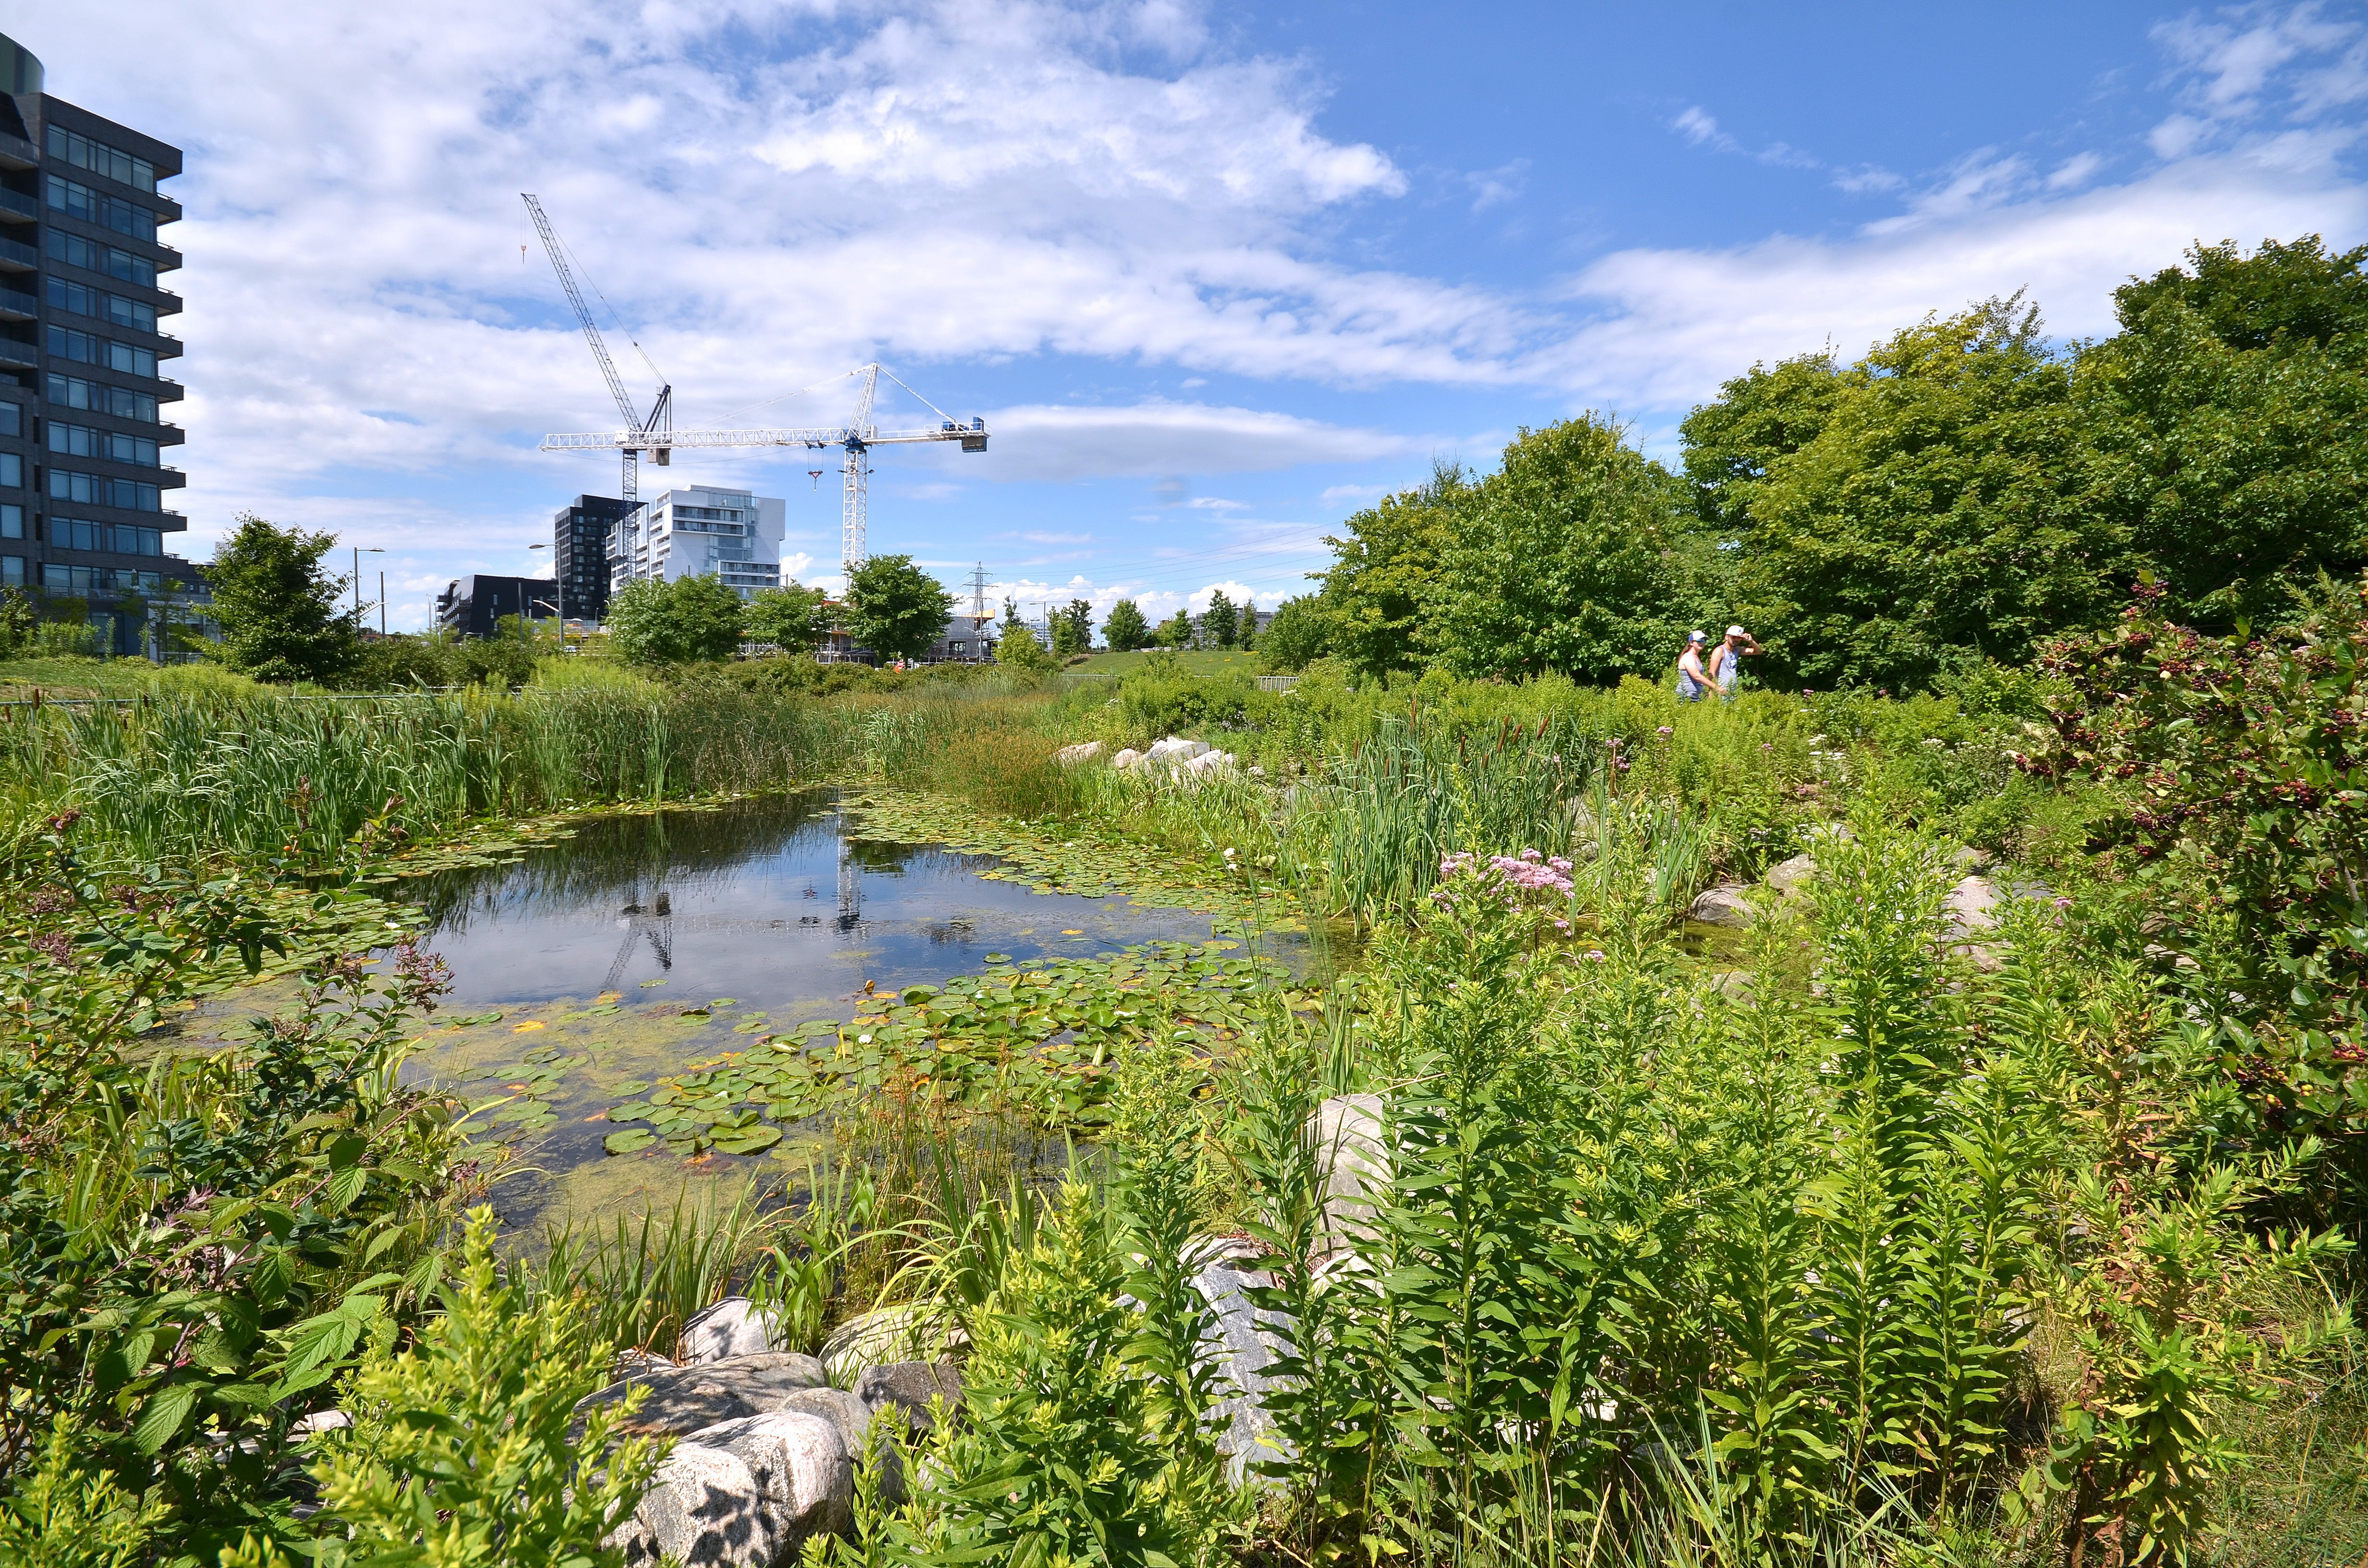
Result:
1354,1168
704,1509
802,1469
1726,905
1789,877
1076,755
847,1413
1972,908
732,1327
907,1387
881,1337
685,1399
1241,1346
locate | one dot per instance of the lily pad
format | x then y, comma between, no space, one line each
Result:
630,1140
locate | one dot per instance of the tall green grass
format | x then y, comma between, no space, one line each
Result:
176,776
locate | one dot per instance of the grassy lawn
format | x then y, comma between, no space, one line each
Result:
1198,661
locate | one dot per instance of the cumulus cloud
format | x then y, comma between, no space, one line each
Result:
1059,442
1671,325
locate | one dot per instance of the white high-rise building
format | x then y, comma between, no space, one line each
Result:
700,531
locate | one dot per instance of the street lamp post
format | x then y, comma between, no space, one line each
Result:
361,550
559,580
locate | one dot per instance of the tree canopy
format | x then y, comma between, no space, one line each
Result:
895,609
1124,628
688,620
1220,624
794,620
277,608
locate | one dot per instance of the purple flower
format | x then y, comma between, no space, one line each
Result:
1664,730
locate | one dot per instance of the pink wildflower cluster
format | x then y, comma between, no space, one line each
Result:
1512,876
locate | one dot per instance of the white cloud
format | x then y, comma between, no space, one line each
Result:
1054,442
1335,495
1674,324
2075,172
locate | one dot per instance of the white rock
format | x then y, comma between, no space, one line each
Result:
1175,750
1129,761
802,1469
732,1327
705,1508
322,1421
1789,877
1971,907
1345,1134
1241,1346
1076,755
1725,905
883,1337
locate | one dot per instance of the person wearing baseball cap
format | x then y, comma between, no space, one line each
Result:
1693,681
1727,660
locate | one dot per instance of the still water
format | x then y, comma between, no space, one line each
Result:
774,902
648,943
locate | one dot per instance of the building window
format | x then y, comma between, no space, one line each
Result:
92,257
83,581
11,571
11,419
73,392
116,538
82,300
12,522
82,441
77,200
12,470
98,490
108,162
68,344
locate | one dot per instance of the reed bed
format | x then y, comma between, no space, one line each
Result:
186,776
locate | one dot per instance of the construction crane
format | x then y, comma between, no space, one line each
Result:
855,439
645,435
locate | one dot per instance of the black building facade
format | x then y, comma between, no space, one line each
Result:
84,399
579,537
472,606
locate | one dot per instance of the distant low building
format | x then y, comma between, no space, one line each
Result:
474,605
961,640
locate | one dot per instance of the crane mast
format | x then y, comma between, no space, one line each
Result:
624,545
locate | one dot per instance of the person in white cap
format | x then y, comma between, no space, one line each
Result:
1727,660
1693,681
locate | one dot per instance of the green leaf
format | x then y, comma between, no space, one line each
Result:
161,1419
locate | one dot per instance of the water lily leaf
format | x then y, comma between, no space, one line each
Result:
630,1140
630,1086
749,1139
476,1018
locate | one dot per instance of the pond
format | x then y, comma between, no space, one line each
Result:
648,944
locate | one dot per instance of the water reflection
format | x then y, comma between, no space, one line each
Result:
771,901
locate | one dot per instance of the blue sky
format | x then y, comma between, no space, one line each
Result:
1216,274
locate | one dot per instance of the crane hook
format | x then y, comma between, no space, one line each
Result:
814,474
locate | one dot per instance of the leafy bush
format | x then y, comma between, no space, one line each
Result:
461,1444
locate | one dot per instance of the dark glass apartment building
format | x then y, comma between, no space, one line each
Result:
579,536
84,399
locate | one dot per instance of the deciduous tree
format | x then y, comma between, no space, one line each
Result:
277,608
1124,628
895,609
688,620
1218,624
793,618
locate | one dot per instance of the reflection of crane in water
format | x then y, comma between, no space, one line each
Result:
850,888
656,922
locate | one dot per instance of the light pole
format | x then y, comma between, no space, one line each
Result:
559,580
361,550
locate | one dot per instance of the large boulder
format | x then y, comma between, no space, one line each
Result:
1241,1346
1130,761
1208,765
1078,755
802,1469
732,1327
1173,752
705,1508
1788,878
1354,1166
909,1387
1728,906
883,1336
684,1399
